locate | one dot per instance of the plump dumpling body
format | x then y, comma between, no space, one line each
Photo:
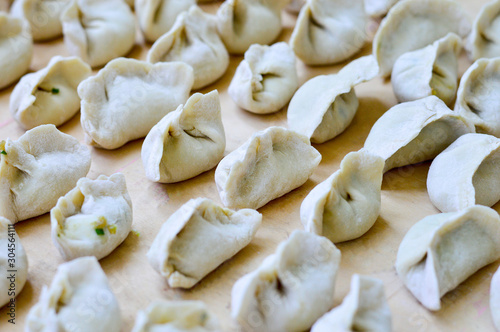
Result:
378,8
483,41
495,299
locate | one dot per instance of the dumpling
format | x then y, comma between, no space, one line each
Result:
294,6
41,166
16,49
199,237
329,31
291,289
466,173
242,23
92,219
194,40
416,131
325,105
347,204
42,15
128,97
49,96
495,299
413,24
12,258
266,79
187,142
378,8
79,286
440,251
270,164
98,31
483,41
176,316
363,309
432,70
477,96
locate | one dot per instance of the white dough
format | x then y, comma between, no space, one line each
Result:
378,8
484,40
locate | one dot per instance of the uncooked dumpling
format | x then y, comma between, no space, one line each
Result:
329,31
270,164
347,204
432,70
466,173
98,31
413,24
294,6
378,8
199,237
441,251
41,166
325,105
484,41
495,299
416,131
291,289
49,96
266,79
79,296
128,97
194,40
187,142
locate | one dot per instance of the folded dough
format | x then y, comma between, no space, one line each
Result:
413,24
194,40
378,8
466,173
477,96
325,105
78,297
49,95
363,309
41,166
483,41
495,299
270,164
128,97
42,15
266,79
432,70
156,17
441,251
176,316
291,289
98,31
16,49
187,142
200,227
347,204
12,258
329,31
416,131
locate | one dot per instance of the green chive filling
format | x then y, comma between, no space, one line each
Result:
99,231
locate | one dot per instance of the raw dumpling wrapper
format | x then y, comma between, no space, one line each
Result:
270,164
92,219
266,79
49,96
416,131
10,244
176,316
495,299
432,70
16,49
478,96
194,40
79,287
329,31
378,8
294,6
128,97
156,17
41,166
365,308
187,142
413,24
347,204
466,173
98,31
441,251
199,237
484,41
325,105
291,289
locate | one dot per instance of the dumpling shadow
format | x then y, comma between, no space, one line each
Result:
410,177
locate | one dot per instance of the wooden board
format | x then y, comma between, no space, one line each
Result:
136,284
